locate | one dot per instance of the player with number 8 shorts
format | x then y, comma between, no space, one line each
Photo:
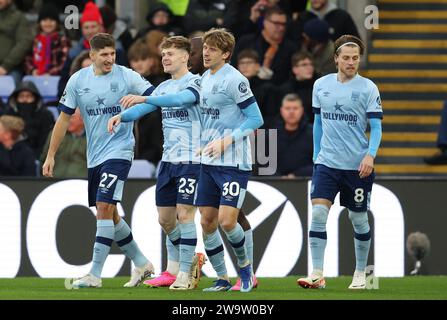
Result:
343,103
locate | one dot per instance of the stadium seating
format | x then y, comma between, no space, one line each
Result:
407,61
47,86
141,169
7,86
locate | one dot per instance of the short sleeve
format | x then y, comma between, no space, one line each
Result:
240,92
374,104
137,83
194,86
68,101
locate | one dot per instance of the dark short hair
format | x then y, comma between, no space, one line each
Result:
274,10
102,40
300,56
248,54
348,38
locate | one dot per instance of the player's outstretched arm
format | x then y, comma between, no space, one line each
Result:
129,115
58,134
367,165
185,97
131,100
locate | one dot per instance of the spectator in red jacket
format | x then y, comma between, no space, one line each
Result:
50,46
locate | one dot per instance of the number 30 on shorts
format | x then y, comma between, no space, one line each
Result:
232,188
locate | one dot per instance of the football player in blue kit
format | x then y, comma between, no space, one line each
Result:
343,103
96,91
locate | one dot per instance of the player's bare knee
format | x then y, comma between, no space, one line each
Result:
185,218
167,224
227,224
209,224
185,214
105,210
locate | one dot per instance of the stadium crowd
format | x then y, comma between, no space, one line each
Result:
282,47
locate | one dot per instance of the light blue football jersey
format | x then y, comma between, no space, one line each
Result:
223,95
345,109
181,125
98,100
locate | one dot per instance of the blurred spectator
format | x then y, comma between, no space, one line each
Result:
146,63
16,157
116,27
81,61
318,42
148,130
274,49
159,18
302,81
72,153
339,20
15,39
263,90
295,143
440,158
27,103
91,24
50,47
247,16
153,39
204,15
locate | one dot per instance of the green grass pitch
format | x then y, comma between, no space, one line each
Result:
422,287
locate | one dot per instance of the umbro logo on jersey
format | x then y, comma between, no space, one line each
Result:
83,91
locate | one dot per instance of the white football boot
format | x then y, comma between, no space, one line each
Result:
87,281
139,275
358,281
182,282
